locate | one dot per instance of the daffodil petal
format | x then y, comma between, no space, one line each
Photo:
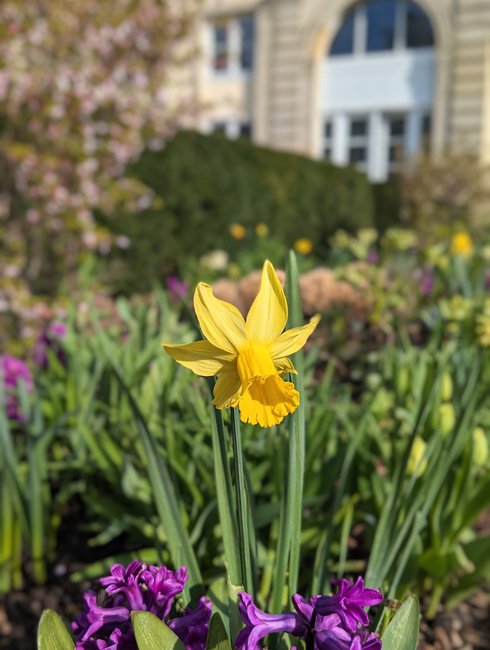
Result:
293,340
267,402
201,357
220,322
269,312
284,365
227,390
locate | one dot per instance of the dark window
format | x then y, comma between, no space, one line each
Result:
357,154
220,39
426,124
247,31
419,30
343,42
358,127
327,153
397,126
245,130
380,25
327,129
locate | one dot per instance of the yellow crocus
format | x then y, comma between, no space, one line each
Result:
248,356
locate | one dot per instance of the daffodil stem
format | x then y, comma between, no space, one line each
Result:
242,505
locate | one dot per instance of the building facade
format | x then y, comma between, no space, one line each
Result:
369,82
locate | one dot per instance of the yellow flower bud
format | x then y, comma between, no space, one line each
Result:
417,464
446,387
480,447
447,418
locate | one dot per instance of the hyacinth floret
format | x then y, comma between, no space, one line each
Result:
138,587
335,622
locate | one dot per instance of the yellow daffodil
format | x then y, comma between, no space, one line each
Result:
462,244
303,246
249,356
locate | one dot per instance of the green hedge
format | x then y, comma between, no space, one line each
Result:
207,182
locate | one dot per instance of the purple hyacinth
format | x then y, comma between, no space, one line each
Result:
14,371
324,622
349,603
259,624
138,587
50,339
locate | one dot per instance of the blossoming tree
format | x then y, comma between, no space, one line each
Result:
83,87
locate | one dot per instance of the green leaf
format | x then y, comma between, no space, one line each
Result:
217,636
403,631
52,633
152,634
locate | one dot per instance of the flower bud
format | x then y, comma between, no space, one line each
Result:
446,387
447,418
480,447
417,464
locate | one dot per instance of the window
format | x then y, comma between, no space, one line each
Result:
220,43
425,132
245,130
247,42
327,140
419,30
396,141
382,25
344,40
233,44
358,142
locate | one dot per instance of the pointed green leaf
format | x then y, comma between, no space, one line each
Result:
217,636
52,633
403,631
152,634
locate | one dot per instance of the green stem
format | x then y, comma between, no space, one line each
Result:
242,506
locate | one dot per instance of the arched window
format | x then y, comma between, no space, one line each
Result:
382,25
377,87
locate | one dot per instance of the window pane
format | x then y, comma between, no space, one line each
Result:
245,130
247,32
358,127
419,29
397,126
426,124
343,42
357,154
380,25
220,42
327,129
327,153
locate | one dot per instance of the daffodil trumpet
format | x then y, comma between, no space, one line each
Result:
249,357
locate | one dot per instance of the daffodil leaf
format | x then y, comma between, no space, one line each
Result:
52,633
217,636
152,634
403,631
